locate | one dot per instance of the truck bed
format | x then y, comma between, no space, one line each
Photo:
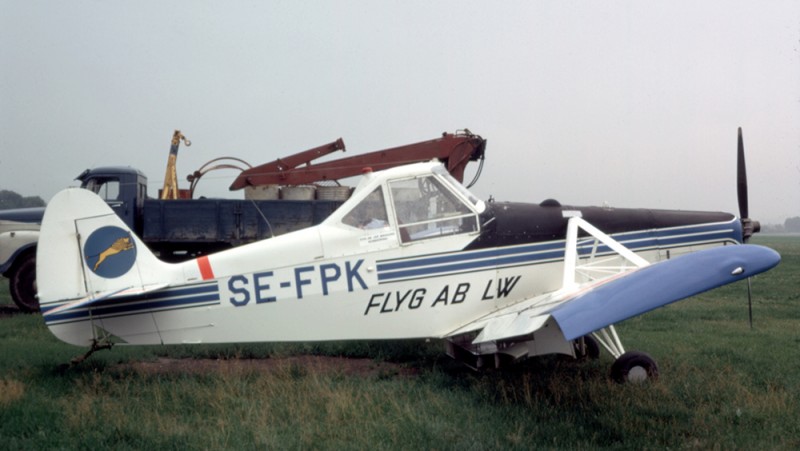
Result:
226,222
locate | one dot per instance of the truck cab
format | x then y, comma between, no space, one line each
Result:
123,188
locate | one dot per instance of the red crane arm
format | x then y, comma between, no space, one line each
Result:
454,150
280,167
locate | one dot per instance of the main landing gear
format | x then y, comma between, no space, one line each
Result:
628,367
634,366
586,347
631,366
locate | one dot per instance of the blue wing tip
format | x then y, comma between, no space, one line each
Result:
760,258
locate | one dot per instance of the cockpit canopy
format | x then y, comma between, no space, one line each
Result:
421,201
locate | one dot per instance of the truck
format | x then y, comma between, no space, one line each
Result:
287,194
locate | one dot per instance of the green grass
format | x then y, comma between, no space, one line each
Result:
722,385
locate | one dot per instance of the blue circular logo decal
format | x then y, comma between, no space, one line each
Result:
110,252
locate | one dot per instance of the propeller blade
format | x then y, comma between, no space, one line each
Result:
748,225
741,179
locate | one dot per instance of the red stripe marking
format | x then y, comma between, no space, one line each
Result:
205,268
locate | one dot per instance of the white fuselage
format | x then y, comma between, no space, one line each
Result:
406,278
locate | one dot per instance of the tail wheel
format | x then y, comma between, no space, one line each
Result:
634,367
22,283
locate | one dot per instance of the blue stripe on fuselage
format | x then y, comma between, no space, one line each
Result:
167,299
533,254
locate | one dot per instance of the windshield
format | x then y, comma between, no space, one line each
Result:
425,208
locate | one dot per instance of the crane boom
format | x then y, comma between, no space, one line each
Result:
454,150
170,189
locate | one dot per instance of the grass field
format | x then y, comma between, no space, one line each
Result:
722,386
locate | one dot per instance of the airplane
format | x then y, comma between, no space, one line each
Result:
411,254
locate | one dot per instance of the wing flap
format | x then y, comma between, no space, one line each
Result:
510,325
660,284
510,317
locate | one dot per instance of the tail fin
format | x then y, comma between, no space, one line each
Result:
86,252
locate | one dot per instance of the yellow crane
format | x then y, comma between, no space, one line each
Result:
170,189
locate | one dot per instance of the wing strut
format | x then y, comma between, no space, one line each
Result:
571,267
606,336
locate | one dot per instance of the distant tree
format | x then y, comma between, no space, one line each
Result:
792,225
10,199
772,228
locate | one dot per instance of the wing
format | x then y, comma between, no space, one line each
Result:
661,284
579,311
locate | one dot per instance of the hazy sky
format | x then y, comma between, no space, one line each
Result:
631,103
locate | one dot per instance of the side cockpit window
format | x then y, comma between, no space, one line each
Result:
425,208
108,189
370,213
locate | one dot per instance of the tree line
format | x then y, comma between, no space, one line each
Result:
10,199
790,225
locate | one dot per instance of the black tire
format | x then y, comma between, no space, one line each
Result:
589,349
22,283
635,367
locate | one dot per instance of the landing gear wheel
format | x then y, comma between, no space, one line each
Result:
22,284
586,347
634,366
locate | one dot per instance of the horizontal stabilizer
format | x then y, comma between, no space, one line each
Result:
661,284
99,297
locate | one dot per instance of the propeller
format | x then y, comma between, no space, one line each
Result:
749,227
741,178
